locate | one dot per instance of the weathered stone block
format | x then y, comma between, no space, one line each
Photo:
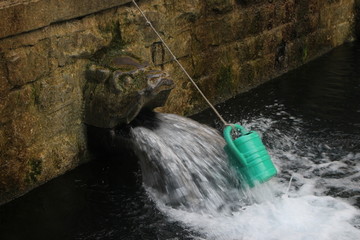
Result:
64,81
214,32
15,103
220,6
82,44
357,18
4,83
23,130
27,64
27,15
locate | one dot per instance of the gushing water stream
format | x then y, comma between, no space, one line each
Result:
183,165
185,171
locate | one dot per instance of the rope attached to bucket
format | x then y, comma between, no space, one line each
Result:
180,65
263,169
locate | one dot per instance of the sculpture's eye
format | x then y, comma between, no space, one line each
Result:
122,81
127,80
116,83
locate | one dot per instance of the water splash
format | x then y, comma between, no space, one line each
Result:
307,217
183,165
185,172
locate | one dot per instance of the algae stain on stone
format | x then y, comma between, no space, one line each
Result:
304,54
224,81
36,94
35,170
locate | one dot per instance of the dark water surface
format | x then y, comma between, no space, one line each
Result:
316,108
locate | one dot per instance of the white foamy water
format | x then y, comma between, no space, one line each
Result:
185,172
306,217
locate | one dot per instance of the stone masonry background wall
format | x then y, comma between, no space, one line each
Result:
357,19
228,46
232,46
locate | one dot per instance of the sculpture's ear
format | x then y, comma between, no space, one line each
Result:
117,80
97,74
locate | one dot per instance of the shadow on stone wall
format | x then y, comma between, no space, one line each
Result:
357,19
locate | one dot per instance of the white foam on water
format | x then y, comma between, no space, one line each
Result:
301,218
197,187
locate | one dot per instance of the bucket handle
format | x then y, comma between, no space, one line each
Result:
230,142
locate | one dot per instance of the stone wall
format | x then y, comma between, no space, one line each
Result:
42,134
231,46
357,18
228,46
19,16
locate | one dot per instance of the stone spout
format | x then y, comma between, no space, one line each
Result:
119,88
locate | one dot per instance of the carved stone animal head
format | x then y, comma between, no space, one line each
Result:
119,88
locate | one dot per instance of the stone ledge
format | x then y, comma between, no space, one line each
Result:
23,16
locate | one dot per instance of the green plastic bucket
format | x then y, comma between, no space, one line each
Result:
248,155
